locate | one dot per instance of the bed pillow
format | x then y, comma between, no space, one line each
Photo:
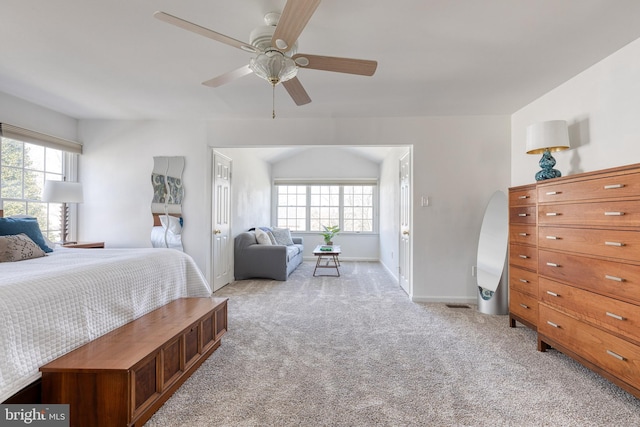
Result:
18,247
28,226
47,242
172,223
282,236
262,237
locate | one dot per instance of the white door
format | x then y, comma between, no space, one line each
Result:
404,258
221,240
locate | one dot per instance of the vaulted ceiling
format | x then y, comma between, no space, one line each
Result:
113,60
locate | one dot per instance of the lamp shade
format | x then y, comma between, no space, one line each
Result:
62,192
552,135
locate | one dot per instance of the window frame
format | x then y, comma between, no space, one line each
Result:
333,182
69,168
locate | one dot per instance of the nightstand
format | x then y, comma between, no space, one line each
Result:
84,245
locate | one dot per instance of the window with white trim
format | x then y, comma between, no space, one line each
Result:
26,161
310,206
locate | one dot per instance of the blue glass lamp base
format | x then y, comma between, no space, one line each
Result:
547,162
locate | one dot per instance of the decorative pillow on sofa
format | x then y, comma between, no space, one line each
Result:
282,235
28,226
18,247
262,237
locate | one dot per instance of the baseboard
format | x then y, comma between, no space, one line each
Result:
343,258
444,300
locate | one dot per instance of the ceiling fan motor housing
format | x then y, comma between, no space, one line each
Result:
261,36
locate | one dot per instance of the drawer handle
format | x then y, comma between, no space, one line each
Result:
523,256
523,234
616,355
552,238
614,243
524,306
552,193
612,186
613,213
523,197
552,214
524,280
553,294
523,214
615,316
553,264
555,325
614,278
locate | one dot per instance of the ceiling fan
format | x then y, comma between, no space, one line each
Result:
275,46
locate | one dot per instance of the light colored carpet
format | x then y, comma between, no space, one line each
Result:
354,351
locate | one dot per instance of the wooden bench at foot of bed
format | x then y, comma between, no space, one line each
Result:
123,377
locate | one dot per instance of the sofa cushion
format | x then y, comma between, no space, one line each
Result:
282,235
262,237
292,252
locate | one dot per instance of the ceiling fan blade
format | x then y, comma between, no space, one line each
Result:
195,28
294,18
228,77
361,67
296,91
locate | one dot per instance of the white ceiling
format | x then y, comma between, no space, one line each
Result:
112,59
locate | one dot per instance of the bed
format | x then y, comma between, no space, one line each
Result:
52,304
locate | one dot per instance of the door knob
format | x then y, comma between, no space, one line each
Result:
405,232
217,231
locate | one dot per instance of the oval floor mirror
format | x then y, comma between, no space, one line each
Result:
491,273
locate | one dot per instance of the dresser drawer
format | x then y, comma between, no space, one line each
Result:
604,187
607,243
521,196
615,355
524,305
524,281
603,214
522,215
523,256
524,234
616,316
615,279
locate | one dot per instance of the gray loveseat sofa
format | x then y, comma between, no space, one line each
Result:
252,260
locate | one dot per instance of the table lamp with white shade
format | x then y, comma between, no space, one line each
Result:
63,192
547,137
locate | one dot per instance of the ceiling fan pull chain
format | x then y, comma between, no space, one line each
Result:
273,105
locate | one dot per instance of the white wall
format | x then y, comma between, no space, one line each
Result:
602,106
115,170
250,189
18,112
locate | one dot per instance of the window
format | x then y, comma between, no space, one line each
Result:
292,207
358,208
309,207
27,159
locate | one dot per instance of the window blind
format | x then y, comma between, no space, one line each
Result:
33,137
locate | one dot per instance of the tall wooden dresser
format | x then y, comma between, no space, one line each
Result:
523,256
589,271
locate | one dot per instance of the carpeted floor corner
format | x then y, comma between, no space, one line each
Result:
354,351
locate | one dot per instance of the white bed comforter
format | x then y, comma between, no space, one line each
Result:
51,305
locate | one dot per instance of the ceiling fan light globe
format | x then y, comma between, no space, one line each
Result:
273,67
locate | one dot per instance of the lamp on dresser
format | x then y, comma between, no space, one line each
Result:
64,192
547,137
